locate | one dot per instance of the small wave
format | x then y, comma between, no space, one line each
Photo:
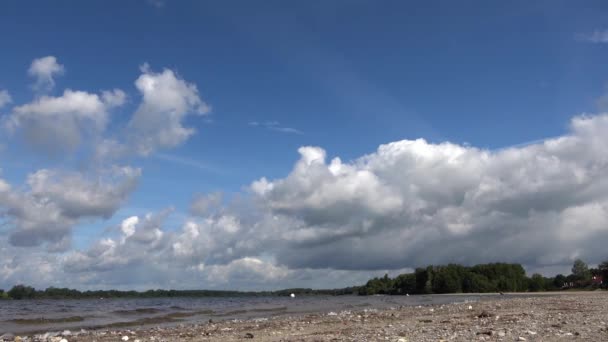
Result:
137,311
141,321
231,313
205,312
44,320
282,308
179,315
362,305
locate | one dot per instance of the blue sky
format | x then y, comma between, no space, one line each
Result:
346,76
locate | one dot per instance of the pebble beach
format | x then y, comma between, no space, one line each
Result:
571,316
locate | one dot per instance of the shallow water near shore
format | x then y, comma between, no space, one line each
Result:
30,316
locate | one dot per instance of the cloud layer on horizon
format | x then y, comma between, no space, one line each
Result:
410,203
328,222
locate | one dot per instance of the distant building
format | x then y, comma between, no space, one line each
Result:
597,280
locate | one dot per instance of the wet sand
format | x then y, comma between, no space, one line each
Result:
553,317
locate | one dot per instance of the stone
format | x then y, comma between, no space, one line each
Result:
248,335
484,314
521,338
125,338
487,332
7,337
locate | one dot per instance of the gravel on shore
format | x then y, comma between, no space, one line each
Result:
579,316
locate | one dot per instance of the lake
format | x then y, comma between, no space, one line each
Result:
29,316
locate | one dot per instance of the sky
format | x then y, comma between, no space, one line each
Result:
265,145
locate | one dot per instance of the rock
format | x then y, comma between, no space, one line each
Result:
531,332
7,337
63,340
487,332
248,335
470,307
125,338
66,333
484,314
501,334
520,338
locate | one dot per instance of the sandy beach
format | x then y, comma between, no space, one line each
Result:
552,317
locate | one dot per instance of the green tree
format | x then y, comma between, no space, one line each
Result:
580,270
537,283
477,283
405,283
384,285
448,279
22,292
424,280
559,281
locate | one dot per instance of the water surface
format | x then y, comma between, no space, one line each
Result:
28,316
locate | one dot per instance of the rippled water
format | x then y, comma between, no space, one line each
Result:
51,315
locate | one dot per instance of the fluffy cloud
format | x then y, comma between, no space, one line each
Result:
114,97
37,268
56,201
202,205
256,272
57,124
44,71
412,202
5,98
184,258
166,102
140,240
409,203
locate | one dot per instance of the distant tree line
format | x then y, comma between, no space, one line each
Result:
452,278
495,277
28,292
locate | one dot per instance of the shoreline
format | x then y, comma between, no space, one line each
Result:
565,316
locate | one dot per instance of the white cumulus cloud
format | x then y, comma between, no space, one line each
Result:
44,70
5,98
58,124
409,203
167,100
55,201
